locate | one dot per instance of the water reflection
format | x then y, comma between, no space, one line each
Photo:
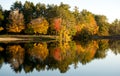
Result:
54,55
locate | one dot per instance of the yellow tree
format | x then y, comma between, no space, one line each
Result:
39,25
1,18
87,21
16,22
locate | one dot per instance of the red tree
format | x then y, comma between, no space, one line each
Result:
57,24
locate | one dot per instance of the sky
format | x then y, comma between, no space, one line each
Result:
109,8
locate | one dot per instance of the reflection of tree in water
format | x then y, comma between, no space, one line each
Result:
102,50
86,53
15,56
1,56
1,49
36,53
63,54
39,51
115,46
54,55
1,60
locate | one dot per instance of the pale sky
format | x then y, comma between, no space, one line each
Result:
109,8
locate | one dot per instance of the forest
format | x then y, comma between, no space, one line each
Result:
74,29
59,20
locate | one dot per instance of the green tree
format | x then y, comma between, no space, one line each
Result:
77,15
28,11
17,5
51,12
114,28
40,10
103,24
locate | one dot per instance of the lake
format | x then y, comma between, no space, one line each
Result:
75,58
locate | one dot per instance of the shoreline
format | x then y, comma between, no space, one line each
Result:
10,39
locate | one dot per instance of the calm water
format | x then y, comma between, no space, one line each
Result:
93,58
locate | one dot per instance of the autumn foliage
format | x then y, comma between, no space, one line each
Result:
87,22
15,54
87,53
16,22
39,25
39,51
57,24
57,54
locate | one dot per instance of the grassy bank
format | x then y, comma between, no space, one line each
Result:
27,37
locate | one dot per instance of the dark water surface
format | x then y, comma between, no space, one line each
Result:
93,58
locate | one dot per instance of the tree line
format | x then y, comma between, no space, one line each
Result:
29,18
